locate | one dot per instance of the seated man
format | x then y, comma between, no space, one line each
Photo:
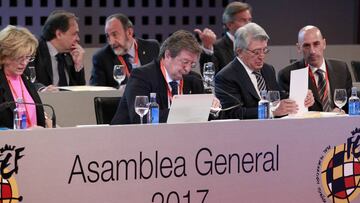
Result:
247,75
59,56
169,75
324,75
123,49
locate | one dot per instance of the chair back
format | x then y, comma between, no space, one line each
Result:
105,108
355,65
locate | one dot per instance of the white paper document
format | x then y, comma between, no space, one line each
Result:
299,88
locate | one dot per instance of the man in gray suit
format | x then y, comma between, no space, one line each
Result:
325,75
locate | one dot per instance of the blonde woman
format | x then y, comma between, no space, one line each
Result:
17,48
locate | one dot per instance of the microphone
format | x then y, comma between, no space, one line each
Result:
6,105
239,103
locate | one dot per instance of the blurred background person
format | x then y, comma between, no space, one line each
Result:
59,57
235,15
122,49
17,49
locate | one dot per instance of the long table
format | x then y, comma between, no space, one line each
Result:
75,107
285,160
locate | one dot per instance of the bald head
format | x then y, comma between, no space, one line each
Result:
307,29
312,45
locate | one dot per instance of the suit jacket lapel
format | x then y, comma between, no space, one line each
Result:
332,80
229,43
114,57
47,58
245,79
7,93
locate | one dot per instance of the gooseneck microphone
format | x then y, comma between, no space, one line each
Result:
239,103
5,105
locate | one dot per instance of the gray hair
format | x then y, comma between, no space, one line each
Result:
248,32
232,9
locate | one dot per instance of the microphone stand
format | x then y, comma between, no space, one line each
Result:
8,104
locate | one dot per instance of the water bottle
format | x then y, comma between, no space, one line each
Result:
153,115
20,115
354,103
263,106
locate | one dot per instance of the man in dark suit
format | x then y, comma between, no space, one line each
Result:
59,57
247,75
169,75
123,49
326,73
235,15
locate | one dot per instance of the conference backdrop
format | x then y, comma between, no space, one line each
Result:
157,19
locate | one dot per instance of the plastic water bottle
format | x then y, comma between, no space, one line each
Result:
354,103
153,115
19,115
263,106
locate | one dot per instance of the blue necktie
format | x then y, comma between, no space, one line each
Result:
127,61
174,87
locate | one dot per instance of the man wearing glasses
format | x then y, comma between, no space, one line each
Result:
248,74
167,76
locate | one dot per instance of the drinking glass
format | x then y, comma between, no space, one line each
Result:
209,73
141,106
340,98
274,98
119,74
32,73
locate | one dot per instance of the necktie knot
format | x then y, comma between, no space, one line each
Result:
174,87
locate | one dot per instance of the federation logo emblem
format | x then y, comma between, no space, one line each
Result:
9,156
340,171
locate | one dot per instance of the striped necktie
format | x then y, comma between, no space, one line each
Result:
322,90
260,81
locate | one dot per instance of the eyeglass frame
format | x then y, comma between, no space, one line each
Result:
185,62
28,59
257,52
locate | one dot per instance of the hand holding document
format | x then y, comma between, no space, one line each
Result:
299,88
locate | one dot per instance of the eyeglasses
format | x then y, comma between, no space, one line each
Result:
257,52
26,59
185,62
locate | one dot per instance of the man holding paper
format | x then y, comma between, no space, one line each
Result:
324,75
247,74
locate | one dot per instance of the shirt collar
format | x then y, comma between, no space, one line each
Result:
232,38
322,67
248,70
52,50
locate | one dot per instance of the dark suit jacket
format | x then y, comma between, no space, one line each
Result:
44,74
223,54
339,77
6,115
234,79
145,80
105,59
